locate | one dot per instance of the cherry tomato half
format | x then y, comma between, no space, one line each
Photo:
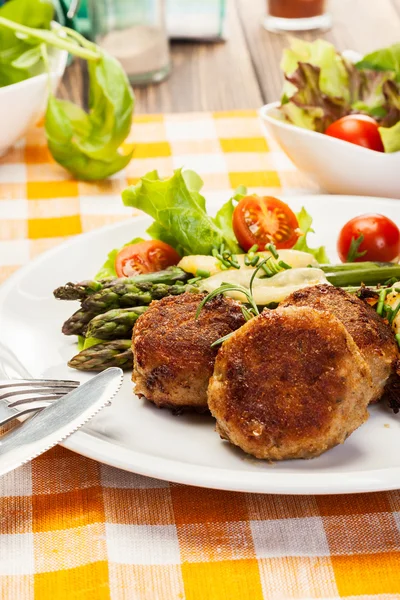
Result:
357,129
381,238
145,257
262,220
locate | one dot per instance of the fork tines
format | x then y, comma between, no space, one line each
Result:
7,383
22,391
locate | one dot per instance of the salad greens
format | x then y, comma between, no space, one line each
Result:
180,215
86,143
323,85
305,222
387,59
181,219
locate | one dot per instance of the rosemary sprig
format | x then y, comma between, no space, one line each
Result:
229,287
248,313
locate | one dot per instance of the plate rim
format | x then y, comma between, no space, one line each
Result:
98,448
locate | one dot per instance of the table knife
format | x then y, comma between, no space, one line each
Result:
56,422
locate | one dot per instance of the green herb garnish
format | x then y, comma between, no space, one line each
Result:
353,252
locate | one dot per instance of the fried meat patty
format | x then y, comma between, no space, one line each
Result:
173,358
372,335
291,383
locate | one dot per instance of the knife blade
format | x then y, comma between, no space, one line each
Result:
56,422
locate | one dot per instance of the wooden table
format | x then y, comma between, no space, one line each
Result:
244,71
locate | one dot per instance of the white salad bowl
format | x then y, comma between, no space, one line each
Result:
336,166
23,103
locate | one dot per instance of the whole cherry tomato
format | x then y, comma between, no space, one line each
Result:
357,129
380,241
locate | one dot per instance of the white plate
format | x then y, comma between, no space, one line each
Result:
134,435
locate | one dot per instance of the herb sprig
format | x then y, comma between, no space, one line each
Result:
271,265
353,252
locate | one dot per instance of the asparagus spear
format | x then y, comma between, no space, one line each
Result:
117,353
79,291
77,323
107,299
363,276
114,324
126,294
351,266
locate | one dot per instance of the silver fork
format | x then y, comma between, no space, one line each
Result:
22,396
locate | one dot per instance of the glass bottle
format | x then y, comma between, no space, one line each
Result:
134,32
297,15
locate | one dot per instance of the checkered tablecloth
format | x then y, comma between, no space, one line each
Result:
73,528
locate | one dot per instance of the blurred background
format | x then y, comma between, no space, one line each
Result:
221,55
194,55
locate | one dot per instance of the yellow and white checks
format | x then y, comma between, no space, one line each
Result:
71,528
41,205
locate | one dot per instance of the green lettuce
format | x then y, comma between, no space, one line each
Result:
391,137
309,107
180,215
386,59
85,343
334,78
323,86
305,222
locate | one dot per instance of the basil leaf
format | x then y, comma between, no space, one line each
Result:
10,75
87,144
28,59
17,55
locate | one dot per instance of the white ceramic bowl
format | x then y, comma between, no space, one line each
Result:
23,103
336,166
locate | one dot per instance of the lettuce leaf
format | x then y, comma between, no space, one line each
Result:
391,92
386,59
179,213
368,91
309,106
305,222
391,137
333,72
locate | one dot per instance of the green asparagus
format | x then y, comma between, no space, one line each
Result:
77,291
117,353
107,299
364,265
375,276
114,324
126,294
83,289
77,323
